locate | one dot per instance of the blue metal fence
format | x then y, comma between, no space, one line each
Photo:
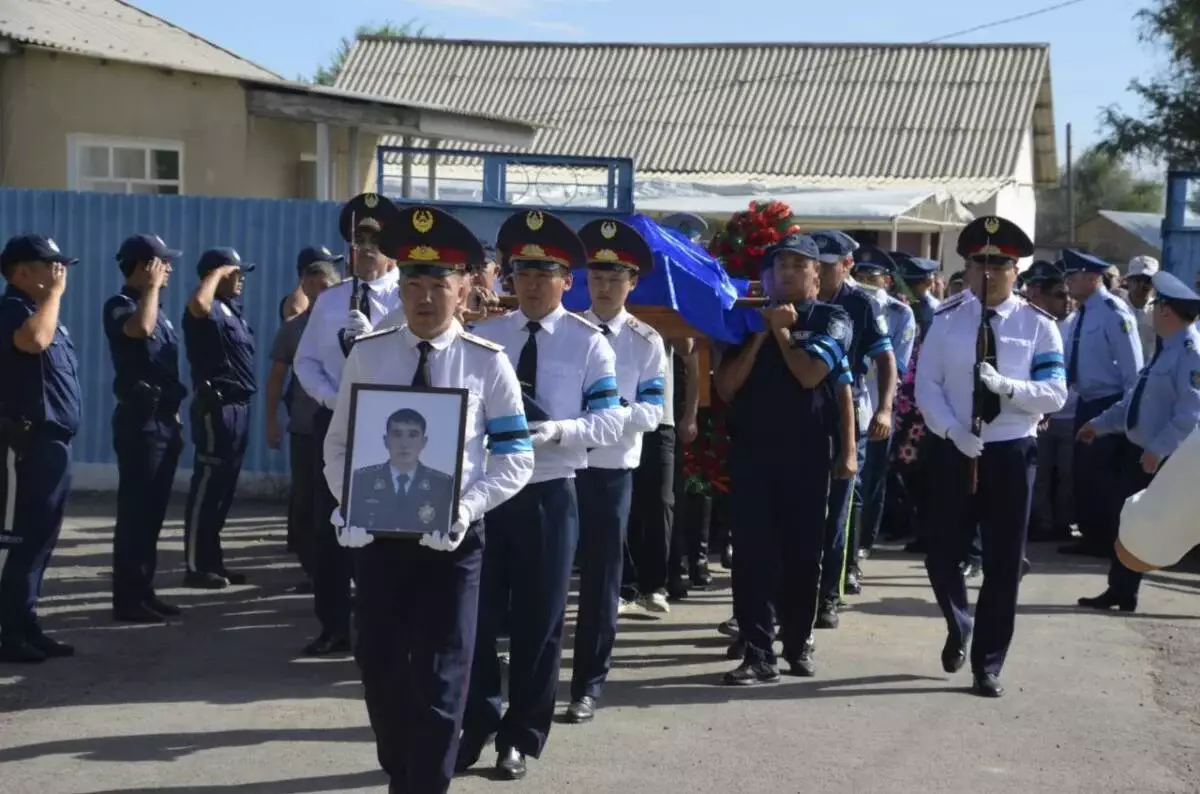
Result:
1181,227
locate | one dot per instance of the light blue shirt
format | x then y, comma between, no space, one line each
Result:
1109,349
902,331
1065,328
1169,404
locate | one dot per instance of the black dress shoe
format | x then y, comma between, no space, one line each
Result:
162,607
954,653
52,648
736,650
827,615
750,674
20,651
801,663
327,643
205,580
853,583
137,613
728,627
727,557
701,576
864,554
582,710
676,590
233,577
1109,599
987,685
510,765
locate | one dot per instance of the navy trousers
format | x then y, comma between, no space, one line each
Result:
332,565
304,457
651,516
527,563
1096,477
33,495
874,476
780,512
220,437
604,498
838,517
147,457
1001,503
416,620
1133,478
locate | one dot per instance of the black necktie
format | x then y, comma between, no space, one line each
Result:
604,329
1073,366
1135,400
364,301
421,378
401,482
527,363
989,401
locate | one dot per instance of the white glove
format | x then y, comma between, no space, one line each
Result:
994,381
350,537
440,541
545,432
967,442
357,324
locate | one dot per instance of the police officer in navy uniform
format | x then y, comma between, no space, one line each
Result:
1156,415
568,370
418,600
147,433
918,275
616,257
791,424
220,351
985,409
870,343
40,406
1104,356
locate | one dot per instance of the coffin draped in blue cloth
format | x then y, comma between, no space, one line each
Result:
687,279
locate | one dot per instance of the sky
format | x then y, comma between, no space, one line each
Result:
1094,46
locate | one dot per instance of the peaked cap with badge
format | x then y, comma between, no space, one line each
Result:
537,240
994,239
432,242
1080,262
370,217
614,245
914,268
1174,292
869,257
32,248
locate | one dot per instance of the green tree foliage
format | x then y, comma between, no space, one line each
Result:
327,73
1169,130
1102,182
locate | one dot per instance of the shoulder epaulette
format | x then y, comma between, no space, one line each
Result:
358,340
950,303
1115,305
479,340
1039,310
591,326
896,306
641,328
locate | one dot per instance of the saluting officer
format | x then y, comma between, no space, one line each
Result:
220,351
340,315
147,432
616,256
870,343
1157,415
874,270
987,411
919,275
1104,355
791,425
417,600
40,406
567,371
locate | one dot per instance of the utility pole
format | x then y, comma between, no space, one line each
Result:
1070,190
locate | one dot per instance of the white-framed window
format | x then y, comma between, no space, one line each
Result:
124,165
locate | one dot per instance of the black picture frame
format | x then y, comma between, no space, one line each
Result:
381,510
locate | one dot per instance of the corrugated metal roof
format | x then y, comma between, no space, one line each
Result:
839,112
119,31
1147,226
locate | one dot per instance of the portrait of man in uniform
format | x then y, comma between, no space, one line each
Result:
413,491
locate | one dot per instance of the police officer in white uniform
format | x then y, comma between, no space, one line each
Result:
342,313
984,403
568,379
417,599
616,255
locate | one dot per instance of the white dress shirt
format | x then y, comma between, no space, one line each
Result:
319,356
576,385
641,380
491,474
1029,351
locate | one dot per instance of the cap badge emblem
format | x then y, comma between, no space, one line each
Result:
422,221
991,225
608,230
370,200
534,220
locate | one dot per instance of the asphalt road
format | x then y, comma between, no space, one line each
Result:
220,703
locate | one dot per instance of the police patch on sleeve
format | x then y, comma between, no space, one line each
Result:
909,333
881,324
839,329
1195,379
1126,325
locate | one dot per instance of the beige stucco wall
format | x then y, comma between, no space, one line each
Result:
45,97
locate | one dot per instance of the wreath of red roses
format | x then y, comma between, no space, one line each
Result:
747,235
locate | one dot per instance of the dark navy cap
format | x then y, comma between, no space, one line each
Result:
800,244
537,240
613,245
144,247
868,257
1079,262
834,245
690,226
214,258
1171,290
914,268
1041,271
959,275
32,248
995,238
316,255
432,242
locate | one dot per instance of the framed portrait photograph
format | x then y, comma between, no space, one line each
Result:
404,458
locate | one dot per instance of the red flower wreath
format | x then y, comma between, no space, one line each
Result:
748,234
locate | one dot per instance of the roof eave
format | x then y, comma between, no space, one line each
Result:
1045,137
